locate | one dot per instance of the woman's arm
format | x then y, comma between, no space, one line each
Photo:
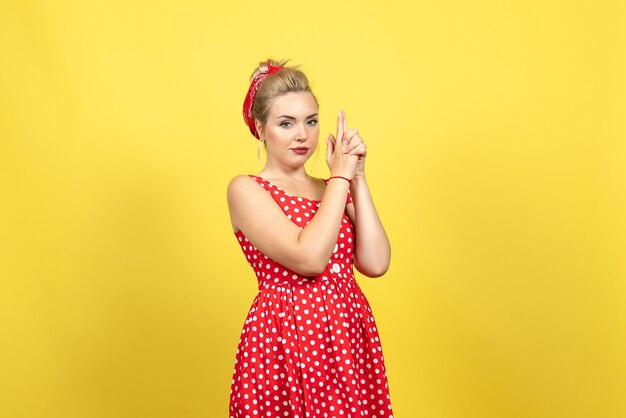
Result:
303,250
372,252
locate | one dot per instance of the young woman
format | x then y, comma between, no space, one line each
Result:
309,346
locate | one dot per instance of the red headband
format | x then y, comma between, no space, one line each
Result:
249,101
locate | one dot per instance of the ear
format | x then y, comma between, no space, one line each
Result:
258,126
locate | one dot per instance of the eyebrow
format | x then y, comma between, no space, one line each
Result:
291,117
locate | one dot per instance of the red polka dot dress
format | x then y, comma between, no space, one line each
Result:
309,347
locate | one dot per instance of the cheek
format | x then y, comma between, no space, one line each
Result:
278,133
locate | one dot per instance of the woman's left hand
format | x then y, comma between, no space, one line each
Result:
353,144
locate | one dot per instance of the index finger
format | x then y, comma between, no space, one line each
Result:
340,127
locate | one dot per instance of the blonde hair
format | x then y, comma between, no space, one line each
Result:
287,80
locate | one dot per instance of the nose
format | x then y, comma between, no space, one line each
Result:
301,134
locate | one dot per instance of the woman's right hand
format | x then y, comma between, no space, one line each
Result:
340,163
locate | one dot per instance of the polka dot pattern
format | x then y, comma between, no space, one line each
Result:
309,347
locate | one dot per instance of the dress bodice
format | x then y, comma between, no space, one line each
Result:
300,211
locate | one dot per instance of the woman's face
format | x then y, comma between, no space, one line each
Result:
292,123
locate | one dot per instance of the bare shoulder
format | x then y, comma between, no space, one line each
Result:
242,194
238,182
246,195
239,187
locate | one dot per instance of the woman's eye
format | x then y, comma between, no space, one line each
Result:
283,124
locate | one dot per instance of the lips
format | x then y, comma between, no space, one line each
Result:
300,149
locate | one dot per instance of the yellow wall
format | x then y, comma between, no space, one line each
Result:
496,142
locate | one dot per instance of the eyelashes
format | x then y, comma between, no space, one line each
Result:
284,122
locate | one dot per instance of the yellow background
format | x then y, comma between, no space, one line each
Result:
496,157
